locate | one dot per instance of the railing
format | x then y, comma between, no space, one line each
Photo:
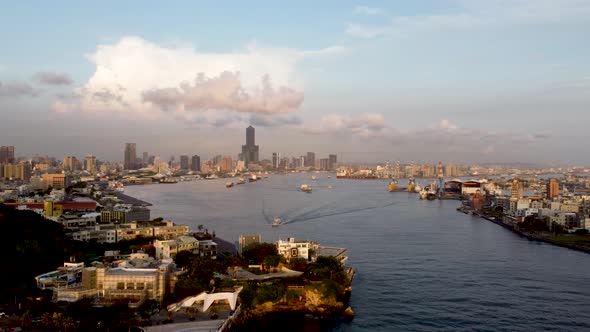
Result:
229,319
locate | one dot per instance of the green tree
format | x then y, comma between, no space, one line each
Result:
26,319
298,264
258,251
272,261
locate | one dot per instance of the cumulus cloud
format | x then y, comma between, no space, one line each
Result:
137,77
16,89
226,92
51,78
364,10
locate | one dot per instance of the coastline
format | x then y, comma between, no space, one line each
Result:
533,237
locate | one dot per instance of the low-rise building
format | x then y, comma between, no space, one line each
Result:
114,233
168,248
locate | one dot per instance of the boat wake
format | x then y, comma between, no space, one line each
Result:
317,213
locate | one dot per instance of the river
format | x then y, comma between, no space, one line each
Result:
421,265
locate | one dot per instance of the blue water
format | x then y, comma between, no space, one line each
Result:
421,265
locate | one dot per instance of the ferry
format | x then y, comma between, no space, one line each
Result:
229,184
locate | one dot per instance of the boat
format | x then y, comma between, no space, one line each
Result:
276,222
423,193
258,177
229,184
329,187
314,177
305,188
417,188
168,180
253,178
241,181
392,185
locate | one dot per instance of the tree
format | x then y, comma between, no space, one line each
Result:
200,228
26,319
557,228
258,251
272,261
298,264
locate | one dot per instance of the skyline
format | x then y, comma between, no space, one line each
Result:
462,81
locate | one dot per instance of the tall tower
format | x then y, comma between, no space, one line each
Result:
552,189
90,164
130,156
250,150
517,190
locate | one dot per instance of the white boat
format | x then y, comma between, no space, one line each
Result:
241,181
305,188
314,177
276,222
229,184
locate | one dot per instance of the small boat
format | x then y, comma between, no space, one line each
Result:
392,186
252,178
229,184
276,222
241,181
305,188
314,177
329,187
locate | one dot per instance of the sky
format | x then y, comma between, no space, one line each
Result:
461,81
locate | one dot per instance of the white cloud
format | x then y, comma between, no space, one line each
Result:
136,76
364,10
365,125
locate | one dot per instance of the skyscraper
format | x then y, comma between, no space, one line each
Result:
310,159
71,163
517,190
552,189
130,156
275,160
250,150
6,154
196,163
144,159
90,163
332,160
184,162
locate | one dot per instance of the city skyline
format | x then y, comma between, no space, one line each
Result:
478,81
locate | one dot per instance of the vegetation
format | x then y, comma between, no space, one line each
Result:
532,224
257,252
577,240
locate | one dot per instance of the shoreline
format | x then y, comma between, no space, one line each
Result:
533,237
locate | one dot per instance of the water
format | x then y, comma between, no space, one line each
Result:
421,265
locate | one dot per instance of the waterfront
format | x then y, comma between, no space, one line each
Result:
420,264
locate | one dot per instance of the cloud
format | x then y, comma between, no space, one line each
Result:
364,10
225,92
447,125
365,125
137,77
273,121
51,78
477,14
17,89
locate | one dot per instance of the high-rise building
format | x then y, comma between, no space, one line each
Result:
184,164
144,159
552,189
517,190
90,163
21,171
226,164
71,163
6,154
130,156
151,160
196,163
310,159
324,162
275,160
250,150
332,160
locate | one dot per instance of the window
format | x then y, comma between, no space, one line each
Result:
120,285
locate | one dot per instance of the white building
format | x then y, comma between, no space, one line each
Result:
292,248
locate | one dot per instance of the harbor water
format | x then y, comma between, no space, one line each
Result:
421,265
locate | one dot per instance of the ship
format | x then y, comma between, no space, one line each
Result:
253,178
241,181
229,184
412,186
276,222
305,188
314,177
